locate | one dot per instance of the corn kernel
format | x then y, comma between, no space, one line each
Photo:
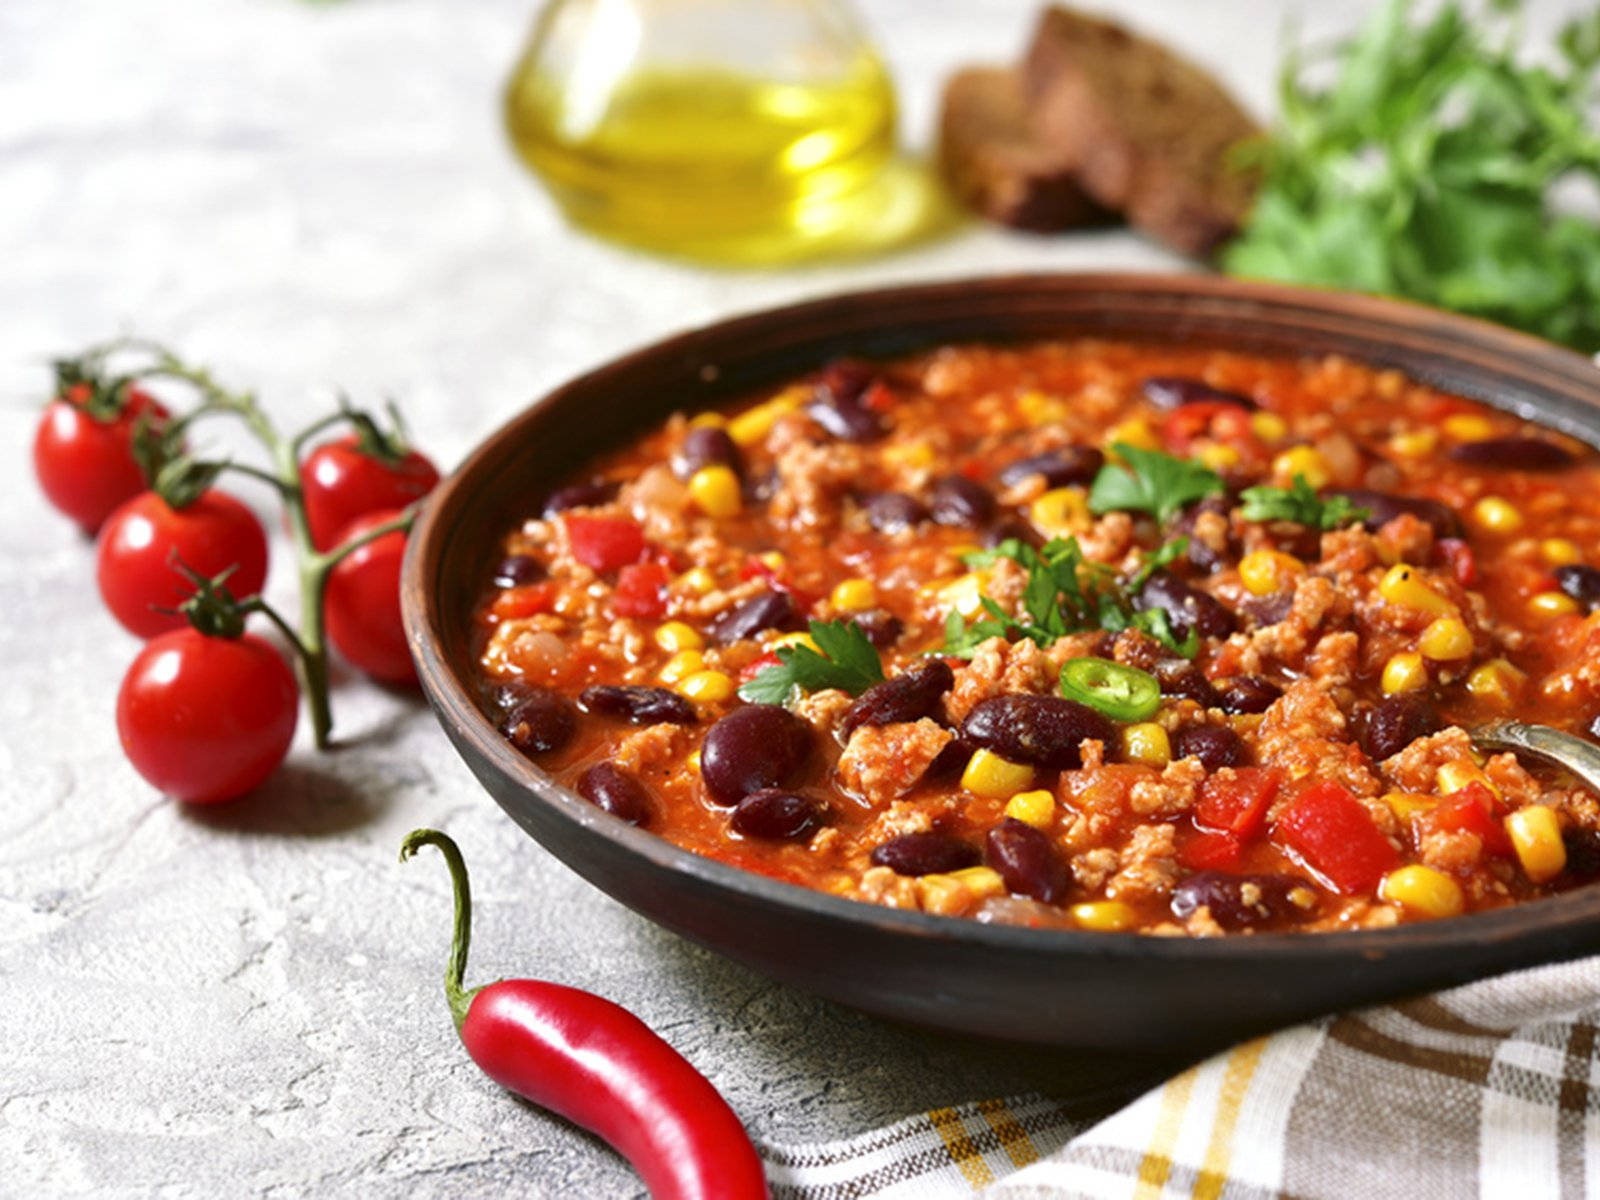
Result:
1417,443
854,595
1060,512
773,559
716,490
1495,515
1404,672
1268,571
1406,805
1446,639
681,665
913,456
675,636
1422,890
1536,837
1552,604
982,882
1468,427
1403,586
696,580
964,594
1219,456
1496,681
941,894
1104,916
1269,426
1560,552
1040,409
694,761
707,420
753,425
1452,777
989,775
1135,431
1147,743
1304,461
800,638
1032,808
708,687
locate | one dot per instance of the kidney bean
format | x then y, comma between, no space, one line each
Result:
890,512
581,495
1028,862
1267,610
539,722
1182,678
1237,901
773,609
930,853
881,627
950,761
1513,453
1043,730
518,569
957,500
1216,746
705,446
611,789
1382,507
847,422
1060,468
775,814
1583,851
1174,391
1393,723
758,746
1249,694
761,486
844,381
1202,554
638,705
1580,582
911,695
1186,607
1011,526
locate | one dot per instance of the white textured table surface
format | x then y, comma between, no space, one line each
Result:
317,196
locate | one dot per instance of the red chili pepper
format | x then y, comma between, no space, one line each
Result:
599,1066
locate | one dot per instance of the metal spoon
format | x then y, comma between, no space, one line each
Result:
1580,757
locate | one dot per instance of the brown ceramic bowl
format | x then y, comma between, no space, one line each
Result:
1055,986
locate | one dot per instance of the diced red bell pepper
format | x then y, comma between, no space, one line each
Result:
755,568
1470,810
1206,418
1334,836
757,665
604,543
1458,556
525,601
879,396
1209,851
641,590
1237,802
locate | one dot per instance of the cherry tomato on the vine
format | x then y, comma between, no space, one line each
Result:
362,603
342,481
143,540
84,462
205,719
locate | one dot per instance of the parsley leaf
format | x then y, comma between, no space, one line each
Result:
847,660
1300,504
1152,482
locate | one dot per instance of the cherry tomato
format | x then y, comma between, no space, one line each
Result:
343,482
85,464
362,604
138,543
206,719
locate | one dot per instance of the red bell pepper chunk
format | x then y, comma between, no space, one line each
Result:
604,543
1334,836
1237,802
1209,851
525,601
1470,810
1206,418
757,665
641,590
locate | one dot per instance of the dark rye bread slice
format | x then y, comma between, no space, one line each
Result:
1147,133
997,166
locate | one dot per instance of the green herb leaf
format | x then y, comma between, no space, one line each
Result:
1151,482
848,660
1301,504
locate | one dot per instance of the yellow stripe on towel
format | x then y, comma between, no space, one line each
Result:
1236,1076
960,1148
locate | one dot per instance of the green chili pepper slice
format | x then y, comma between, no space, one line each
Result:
1121,693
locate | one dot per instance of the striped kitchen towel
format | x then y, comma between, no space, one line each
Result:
1492,1089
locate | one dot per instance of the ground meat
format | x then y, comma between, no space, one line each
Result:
1450,850
825,709
997,668
1316,602
1135,649
1149,865
1416,768
1092,868
880,885
1109,539
885,761
1302,734
812,483
1170,794
1333,663
656,749
1407,538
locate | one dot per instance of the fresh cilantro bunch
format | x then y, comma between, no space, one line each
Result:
1066,593
1301,504
847,660
1438,166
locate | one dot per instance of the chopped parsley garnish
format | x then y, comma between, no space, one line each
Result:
847,660
1151,482
1066,593
1300,504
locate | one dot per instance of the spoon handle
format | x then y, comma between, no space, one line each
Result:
1580,757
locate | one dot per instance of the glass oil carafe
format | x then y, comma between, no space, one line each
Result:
739,131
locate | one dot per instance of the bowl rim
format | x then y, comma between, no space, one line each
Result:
451,698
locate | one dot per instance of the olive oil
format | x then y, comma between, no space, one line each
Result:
708,162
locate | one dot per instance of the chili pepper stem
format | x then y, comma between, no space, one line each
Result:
461,936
